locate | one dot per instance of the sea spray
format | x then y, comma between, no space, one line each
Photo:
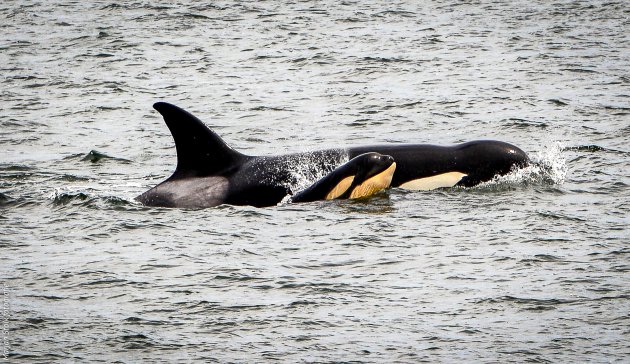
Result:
548,166
307,168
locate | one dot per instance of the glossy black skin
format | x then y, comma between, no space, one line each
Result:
481,160
361,168
265,181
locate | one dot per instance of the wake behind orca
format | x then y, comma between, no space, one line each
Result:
210,173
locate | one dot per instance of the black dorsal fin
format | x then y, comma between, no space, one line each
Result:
200,151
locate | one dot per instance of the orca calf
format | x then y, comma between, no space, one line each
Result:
363,176
210,173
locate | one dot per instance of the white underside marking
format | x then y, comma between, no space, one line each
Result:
449,179
374,184
340,188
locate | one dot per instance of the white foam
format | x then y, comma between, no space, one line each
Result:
548,166
308,168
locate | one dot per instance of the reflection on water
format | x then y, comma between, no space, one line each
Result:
529,267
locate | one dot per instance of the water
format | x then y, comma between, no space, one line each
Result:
532,267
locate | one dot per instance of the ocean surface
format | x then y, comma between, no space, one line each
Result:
531,267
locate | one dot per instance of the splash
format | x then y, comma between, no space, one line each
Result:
307,168
548,166
301,170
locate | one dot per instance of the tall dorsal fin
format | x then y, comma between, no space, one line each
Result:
200,151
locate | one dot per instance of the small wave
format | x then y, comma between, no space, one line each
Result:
64,198
578,70
131,341
593,148
133,320
395,13
193,16
269,108
384,59
5,200
94,156
541,258
552,302
558,102
520,123
15,167
547,167
91,198
69,178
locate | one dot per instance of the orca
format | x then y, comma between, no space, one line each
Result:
210,173
362,176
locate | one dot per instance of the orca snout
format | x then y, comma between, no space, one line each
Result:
387,159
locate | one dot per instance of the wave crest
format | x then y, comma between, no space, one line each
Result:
89,197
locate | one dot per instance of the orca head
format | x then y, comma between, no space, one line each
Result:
362,176
482,160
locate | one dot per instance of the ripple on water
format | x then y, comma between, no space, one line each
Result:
529,267
92,198
95,156
5,200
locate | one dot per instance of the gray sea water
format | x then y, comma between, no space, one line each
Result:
533,267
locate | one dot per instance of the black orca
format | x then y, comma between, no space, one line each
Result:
362,176
210,173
